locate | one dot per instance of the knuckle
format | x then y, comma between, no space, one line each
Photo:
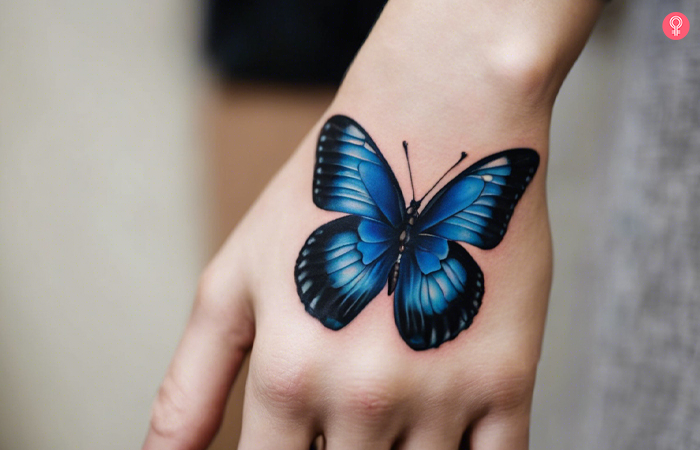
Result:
216,304
510,383
369,397
212,291
282,382
170,416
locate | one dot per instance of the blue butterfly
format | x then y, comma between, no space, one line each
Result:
437,285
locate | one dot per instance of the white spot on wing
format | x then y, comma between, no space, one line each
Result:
488,178
502,161
305,287
353,131
313,302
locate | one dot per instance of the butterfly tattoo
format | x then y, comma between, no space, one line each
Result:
437,285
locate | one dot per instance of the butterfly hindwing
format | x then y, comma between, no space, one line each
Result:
342,266
476,206
439,292
351,175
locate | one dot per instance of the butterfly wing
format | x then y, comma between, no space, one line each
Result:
439,292
345,263
351,175
440,286
476,206
342,266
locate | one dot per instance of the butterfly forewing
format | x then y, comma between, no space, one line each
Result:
477,205
351,175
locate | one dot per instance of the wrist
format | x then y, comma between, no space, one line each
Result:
447,52
483,105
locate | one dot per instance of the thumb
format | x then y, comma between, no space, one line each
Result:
190,403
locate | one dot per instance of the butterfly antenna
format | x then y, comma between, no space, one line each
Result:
410,174
461,158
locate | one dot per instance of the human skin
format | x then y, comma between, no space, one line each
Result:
447,77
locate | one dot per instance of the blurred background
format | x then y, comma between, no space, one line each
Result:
134,135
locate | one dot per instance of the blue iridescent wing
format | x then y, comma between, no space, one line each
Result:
351,175
342,266
476,206
440,286
439,292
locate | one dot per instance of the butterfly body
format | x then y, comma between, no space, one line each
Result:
437,286
412,214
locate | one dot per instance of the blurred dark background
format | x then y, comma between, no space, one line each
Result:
299,41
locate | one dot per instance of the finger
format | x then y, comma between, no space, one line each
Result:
435,438
191,400
319,443
368,419
501,433
264,430
355,441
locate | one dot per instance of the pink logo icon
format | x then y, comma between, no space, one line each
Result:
676,26
676,23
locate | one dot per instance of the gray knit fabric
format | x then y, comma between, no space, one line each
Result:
646,384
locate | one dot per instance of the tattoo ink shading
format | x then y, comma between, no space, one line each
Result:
437,285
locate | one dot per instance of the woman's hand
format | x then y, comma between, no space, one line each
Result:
436,76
